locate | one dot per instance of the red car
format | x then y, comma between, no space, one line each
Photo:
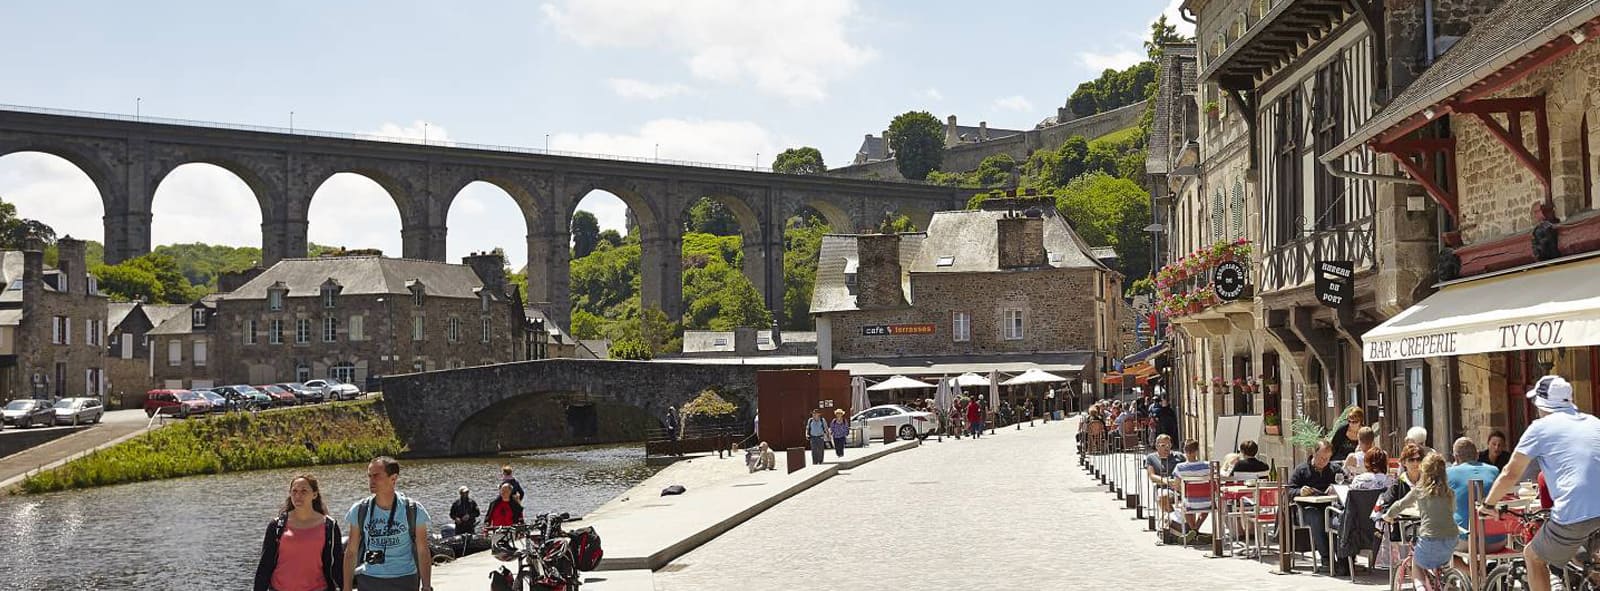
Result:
281,396
179,403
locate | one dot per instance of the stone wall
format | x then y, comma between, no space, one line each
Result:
37,353
1497,193
474,410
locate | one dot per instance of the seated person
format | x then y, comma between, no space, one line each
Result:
1193,468
1248,467
769,460
1315,477
1468,468
1158,467
1375,471
1356,462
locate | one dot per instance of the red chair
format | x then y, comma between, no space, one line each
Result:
1264,515
1192,489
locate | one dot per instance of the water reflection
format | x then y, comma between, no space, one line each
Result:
206,532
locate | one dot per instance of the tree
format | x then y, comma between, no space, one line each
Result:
610,236
1110,211
17,232
805,160
630,348
802,243
917,139
127,283
585,233
995,170
1113,89
893,223
710,216
1161,34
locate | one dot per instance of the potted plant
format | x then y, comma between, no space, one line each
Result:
1213,108
1270,384
1271,423
1240,249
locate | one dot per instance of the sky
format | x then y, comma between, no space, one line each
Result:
726,81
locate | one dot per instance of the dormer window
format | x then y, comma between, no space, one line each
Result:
850,273
483,300
417,291
330,293
197,317
946,261
275,295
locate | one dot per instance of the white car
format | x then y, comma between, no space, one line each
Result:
334,389
908,423
71,411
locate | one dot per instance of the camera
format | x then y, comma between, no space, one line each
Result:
373,557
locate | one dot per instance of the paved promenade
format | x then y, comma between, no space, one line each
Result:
117,426
1013,511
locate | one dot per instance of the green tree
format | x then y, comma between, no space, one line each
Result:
802,241
917,139
128,283
610,236
710,216
585,233
1110,211
1113,89
804,160
1161,34
16,232
894,223
630,348
995,170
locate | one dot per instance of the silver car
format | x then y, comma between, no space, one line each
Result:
73,411
26,413
908,423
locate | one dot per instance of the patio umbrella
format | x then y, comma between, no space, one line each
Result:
898,383
945,395
858,395
994,390
1033,376
970,379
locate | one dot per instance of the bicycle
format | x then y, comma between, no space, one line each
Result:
541,551
1445,578
1582,574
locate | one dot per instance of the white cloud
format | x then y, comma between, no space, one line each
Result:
1110,61
629,88
933,94
53,191
789,48
416,130
1175,18
721,142
204,203
1014,103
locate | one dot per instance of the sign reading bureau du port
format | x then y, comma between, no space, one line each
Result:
878,330
1335,283
1229,280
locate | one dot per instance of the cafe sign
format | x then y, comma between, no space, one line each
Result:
881,330
1521,335
1335,283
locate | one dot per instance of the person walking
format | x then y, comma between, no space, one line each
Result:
504,510
464,512
302,549
673,421
388,545
507,478
974,418
958,413
816,430
839,429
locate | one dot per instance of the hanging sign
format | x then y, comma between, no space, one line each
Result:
1228,279
1335,284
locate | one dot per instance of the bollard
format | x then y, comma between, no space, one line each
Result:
1133,497
797,459
889,435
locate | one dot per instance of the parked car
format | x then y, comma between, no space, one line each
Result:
219,403
26,413
281,396
333,389
255,398
72,411
237,400
908,423
306,395
179,403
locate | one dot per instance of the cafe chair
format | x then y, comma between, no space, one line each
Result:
1351,529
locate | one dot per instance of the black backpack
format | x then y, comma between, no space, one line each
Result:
586,552
411,520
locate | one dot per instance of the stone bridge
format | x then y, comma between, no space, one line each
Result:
128,158
478,410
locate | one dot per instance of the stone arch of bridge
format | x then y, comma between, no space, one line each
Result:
269,195
532,200
99,170
757,240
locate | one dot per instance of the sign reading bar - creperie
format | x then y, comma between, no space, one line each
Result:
878,330
1483,338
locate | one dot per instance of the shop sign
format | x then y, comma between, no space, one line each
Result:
1229,279
879,330
1334,283
1468,340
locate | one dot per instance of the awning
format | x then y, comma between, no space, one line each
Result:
1542,308
1145,354
1056,363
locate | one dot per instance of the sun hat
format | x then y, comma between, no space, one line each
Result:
1552,394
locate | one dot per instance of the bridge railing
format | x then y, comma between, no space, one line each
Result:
695,439
373,137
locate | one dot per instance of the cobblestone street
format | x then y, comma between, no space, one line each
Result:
1012,511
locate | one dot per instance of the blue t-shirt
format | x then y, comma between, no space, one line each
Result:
1460,477
399,557
1567,447
816,427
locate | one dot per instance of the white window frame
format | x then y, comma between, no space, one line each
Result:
356,330
174,353
274,299
453,330
250,331
960,327
125,341
197,317
488,330
330,329
418,330
275,332
344,372
66,330
1014,331
302,331
55,329
200,353
329,296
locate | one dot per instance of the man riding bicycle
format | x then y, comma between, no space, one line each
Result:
1566,444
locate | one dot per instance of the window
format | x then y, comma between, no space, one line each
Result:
199,353
91,382
275,332
329,295
488,330
197,317
1012,329
274,299
453,330
302,331
330,329
302,373
416,328
483,301
1328,110
946,261
416,294
961,326
1290,180
344,372
66,330
1586,162
125,340
356,330
250,332
174,353
58,329
94,285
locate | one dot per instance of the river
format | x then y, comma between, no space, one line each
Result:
205,532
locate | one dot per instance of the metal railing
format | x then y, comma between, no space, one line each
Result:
344,135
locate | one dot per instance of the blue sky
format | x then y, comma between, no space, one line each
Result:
706,80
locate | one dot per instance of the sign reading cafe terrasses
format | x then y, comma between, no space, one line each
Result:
1467,340
878,330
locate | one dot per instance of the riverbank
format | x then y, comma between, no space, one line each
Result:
333,433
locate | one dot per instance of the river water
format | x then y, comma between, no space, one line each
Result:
205,532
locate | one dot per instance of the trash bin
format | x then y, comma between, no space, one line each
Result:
889,435
796,459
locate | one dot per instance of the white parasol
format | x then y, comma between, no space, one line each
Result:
1033,376
898,383
858,395
994,390
945,394
969,379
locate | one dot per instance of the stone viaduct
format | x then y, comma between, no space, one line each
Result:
478,410
127,159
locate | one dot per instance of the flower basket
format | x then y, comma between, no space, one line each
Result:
1195,307
1272,429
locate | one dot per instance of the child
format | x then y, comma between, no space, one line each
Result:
1436,541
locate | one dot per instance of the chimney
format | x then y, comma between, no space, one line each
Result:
1021,240
70,261
878,272
233,280
888,149
32,278
983,131
490,268
744,341
951,135
1063,114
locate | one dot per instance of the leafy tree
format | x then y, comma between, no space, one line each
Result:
805,160
995,170
603,282
802,241
202,263
128,283
16,232
585,233
708,405
1161,34
895,224
1113,89
1110,211
586,325
610,236
630,348
917,139
710,216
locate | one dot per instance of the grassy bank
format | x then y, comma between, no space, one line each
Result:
333,433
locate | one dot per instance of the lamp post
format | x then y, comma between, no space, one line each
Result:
291,122
138,104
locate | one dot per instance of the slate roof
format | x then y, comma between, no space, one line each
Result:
362,275
970,236
600,348
875,148
181,321
1177,81
830,293
721,341
554,329
1512,31
116,312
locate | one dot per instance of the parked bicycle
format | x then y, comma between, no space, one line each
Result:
1582,574
1446,578
548,558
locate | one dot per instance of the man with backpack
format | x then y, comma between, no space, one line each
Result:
388,545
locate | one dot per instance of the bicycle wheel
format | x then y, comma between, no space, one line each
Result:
1400,574
1505,578
1454,580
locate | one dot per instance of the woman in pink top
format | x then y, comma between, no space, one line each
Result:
303,549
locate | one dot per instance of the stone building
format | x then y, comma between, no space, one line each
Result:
181,350
52,325
361,317
1498,133
128,351
993,289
